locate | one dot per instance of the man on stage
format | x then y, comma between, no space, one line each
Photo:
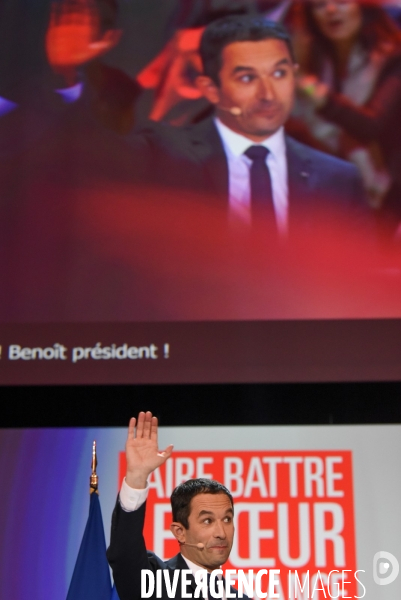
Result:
202,518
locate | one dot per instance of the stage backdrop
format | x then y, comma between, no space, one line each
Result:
307,498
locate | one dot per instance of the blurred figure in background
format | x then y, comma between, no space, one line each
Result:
350,58
79,34
53,153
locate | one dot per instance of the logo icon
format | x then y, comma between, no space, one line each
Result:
385,568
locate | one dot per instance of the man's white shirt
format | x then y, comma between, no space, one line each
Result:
239,167
130,498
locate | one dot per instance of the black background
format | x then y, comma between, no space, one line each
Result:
180,405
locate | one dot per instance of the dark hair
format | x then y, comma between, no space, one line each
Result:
378,32
237,28
183,494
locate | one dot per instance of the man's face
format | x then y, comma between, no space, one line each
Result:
210,523
258,78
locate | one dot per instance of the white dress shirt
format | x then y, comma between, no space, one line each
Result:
239,167
131,499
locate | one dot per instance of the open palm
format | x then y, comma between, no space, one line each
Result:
73,36
142,452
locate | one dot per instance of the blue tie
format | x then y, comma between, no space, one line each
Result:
261,185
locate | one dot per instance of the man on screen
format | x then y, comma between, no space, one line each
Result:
202,518
240,156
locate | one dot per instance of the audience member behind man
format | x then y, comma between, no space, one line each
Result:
351,101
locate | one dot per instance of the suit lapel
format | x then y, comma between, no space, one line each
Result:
208,150
300,176
179,563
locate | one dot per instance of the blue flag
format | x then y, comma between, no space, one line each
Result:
91,577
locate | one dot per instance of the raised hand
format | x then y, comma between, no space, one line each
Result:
73,36
142,452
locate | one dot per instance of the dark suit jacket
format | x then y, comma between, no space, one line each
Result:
127,556
193,158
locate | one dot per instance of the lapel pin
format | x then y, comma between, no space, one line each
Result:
304,174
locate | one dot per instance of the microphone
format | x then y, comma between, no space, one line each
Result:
234,110
200,546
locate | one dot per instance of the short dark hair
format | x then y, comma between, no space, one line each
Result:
237,28
182,495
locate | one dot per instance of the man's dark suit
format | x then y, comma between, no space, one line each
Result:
193,158
127,556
